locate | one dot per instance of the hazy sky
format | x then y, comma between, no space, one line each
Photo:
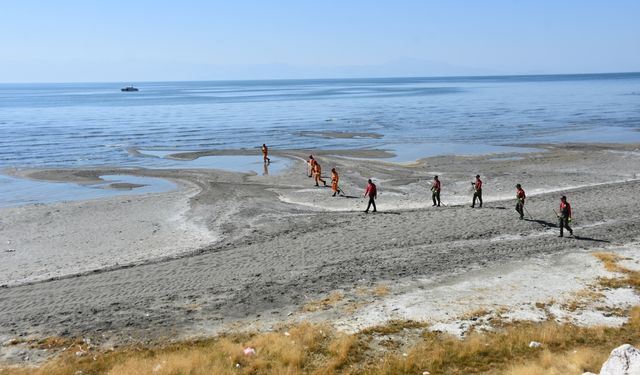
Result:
136,40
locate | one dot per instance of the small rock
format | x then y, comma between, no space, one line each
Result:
534,344
624,359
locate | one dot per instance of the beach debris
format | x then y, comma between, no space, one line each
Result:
624,359
10,342
534,344
249,350
287,334
426,373
157,368
237,365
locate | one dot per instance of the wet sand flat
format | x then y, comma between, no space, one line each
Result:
245,246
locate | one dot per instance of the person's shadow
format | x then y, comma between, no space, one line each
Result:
548,224
544,223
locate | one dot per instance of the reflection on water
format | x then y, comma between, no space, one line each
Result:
19,191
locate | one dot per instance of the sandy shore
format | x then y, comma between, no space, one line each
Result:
231,247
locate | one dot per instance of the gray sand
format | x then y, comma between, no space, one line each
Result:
238,246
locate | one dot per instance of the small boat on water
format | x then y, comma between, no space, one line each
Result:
129,88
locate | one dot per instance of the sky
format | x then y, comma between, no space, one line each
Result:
162,40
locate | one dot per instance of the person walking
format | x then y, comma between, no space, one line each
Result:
317,171
334,182
565,216
435,191
520,197
311,163
265,153
477,192
372,192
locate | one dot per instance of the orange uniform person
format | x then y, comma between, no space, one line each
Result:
311,163
265,153
317,172
334,182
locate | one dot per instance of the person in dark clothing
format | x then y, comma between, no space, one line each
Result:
435,191
520,197
477,192
565,216
372,192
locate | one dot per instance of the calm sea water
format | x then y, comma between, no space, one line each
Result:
44,125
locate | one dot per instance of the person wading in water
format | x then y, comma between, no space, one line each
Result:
265,153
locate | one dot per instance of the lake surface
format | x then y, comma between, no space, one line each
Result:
95,124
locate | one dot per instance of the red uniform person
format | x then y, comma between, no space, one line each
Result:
372,192
565,216
477,192
435,191
520,197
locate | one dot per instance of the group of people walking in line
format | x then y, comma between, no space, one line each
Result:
314,170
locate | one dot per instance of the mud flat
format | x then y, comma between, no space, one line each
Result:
243,249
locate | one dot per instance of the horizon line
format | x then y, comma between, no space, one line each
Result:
326,78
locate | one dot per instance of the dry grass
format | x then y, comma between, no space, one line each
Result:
320,350
574,362
323,304
582,299
475,314
381,291
611,261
